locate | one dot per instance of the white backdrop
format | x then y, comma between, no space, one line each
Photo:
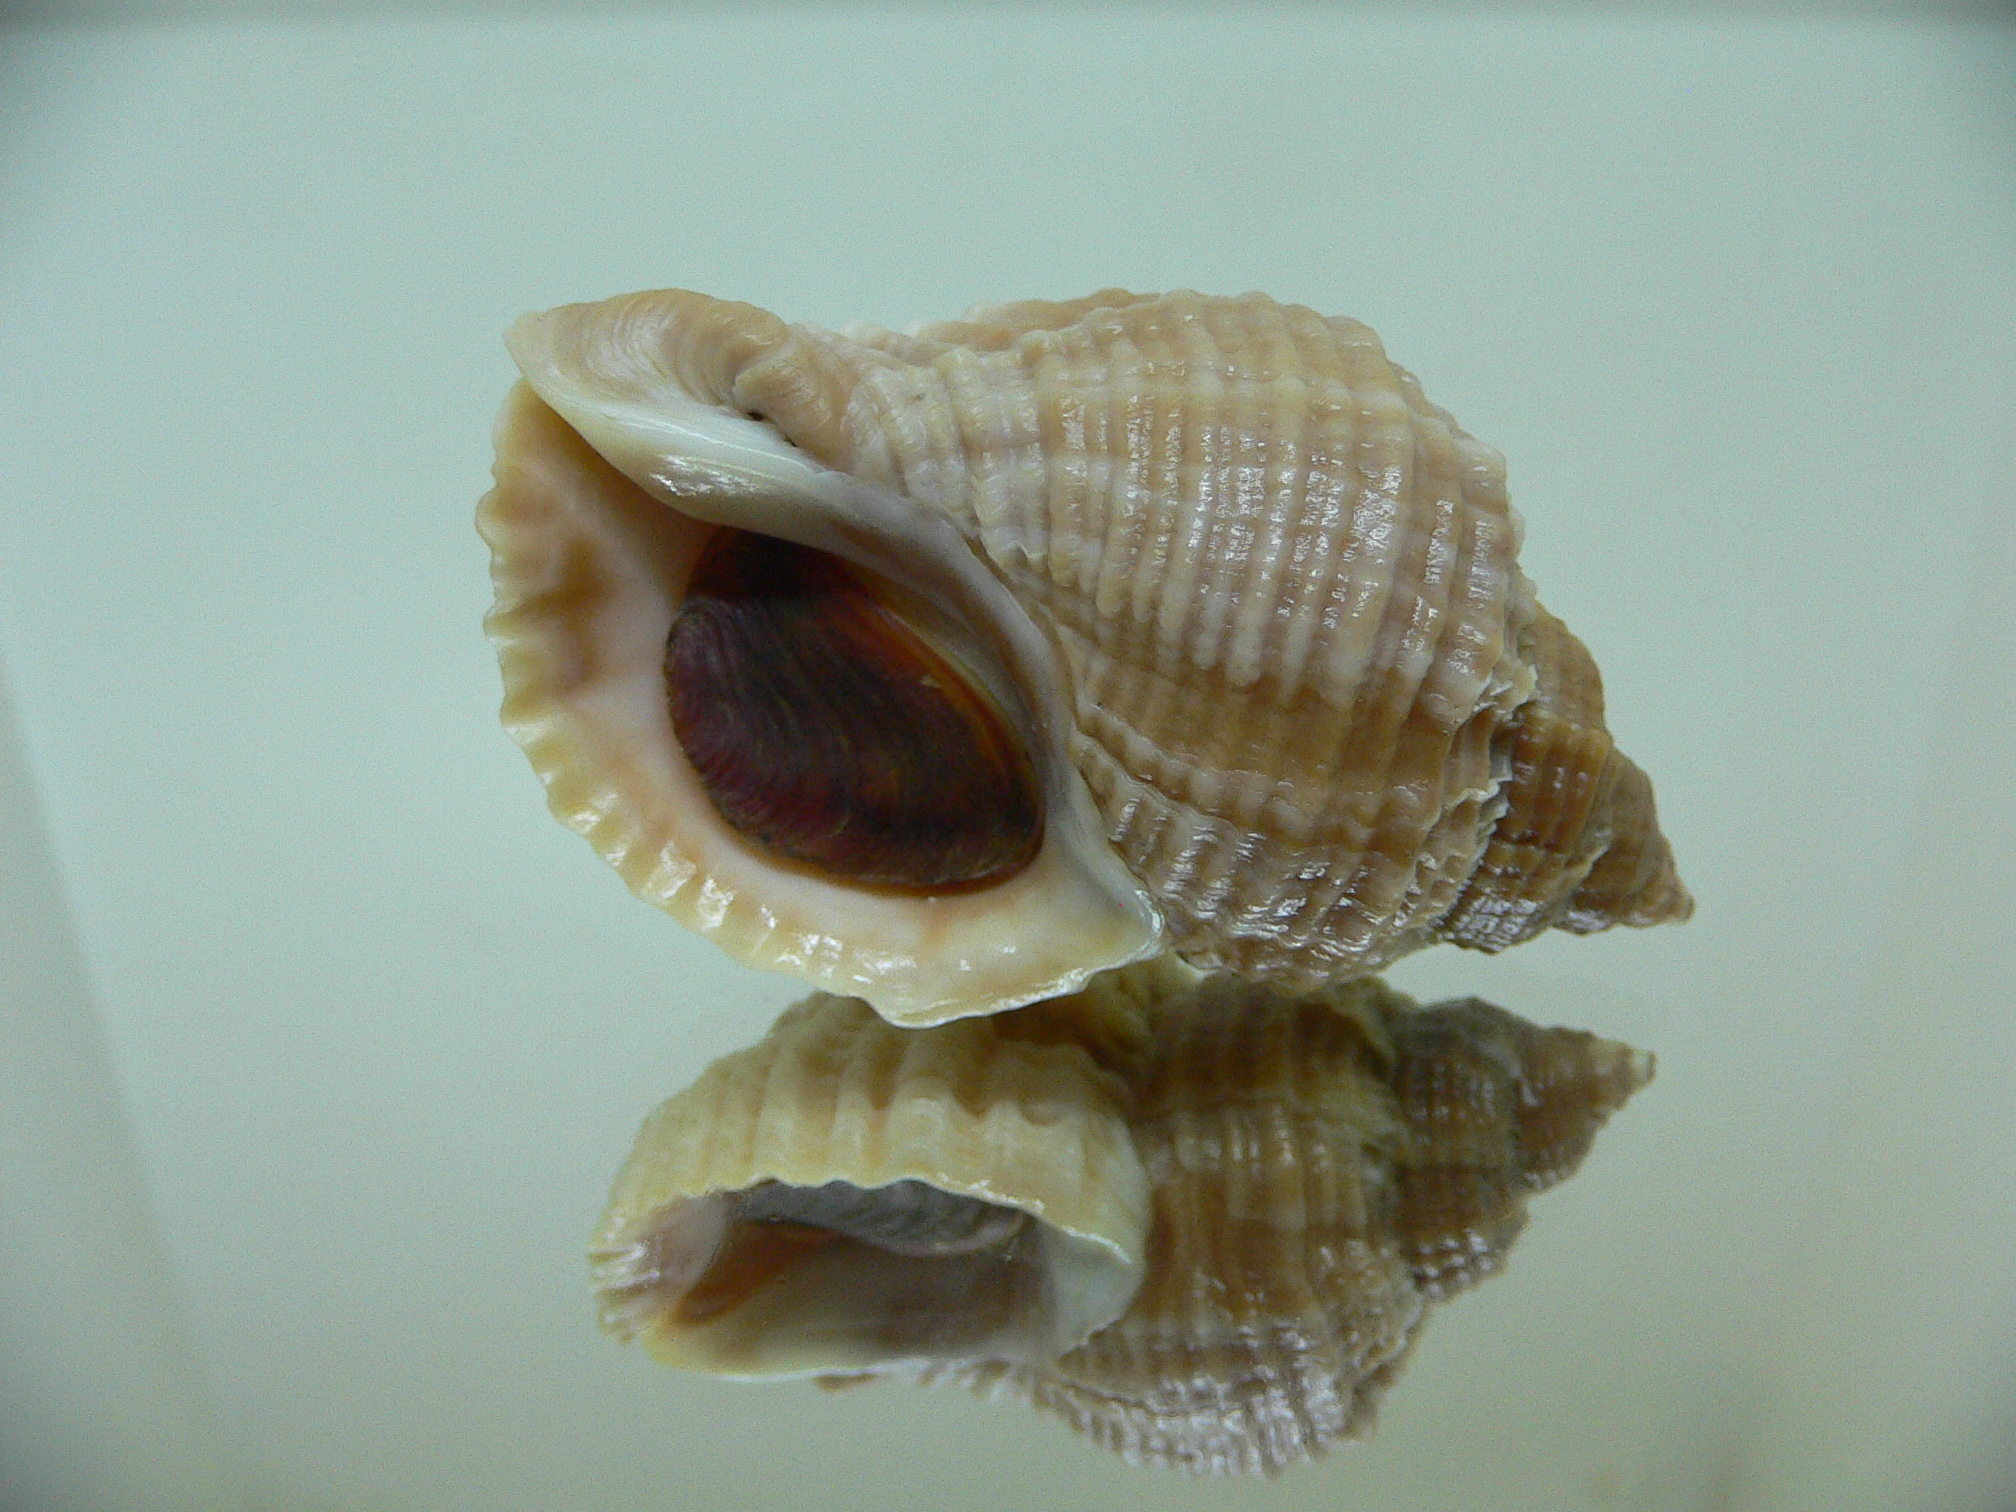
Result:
321,1041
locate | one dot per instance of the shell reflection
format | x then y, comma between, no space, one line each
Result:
1191,620
1200,1219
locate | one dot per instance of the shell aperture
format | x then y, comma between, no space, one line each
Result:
590,571
823,725
862,1275
1245,598
1200,1219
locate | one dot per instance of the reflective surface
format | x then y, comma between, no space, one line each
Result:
380,1030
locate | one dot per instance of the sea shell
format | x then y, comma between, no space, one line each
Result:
1041,642
714,1247
1261,1196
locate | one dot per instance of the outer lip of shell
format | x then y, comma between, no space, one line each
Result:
623,430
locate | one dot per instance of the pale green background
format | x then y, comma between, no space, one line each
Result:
319,1041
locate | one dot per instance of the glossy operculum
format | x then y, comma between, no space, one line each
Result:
825,727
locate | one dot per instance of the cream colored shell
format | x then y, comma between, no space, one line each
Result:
834,1092
1252,599
1314,1173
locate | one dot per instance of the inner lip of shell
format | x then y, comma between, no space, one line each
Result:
826,726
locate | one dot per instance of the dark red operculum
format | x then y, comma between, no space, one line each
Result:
827,729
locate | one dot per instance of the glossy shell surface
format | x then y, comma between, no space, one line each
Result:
1266,1193
1248,599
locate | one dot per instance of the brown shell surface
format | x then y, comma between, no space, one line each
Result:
1319,1169
1313,703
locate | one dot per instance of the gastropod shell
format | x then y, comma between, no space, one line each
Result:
945,669
1200,1219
